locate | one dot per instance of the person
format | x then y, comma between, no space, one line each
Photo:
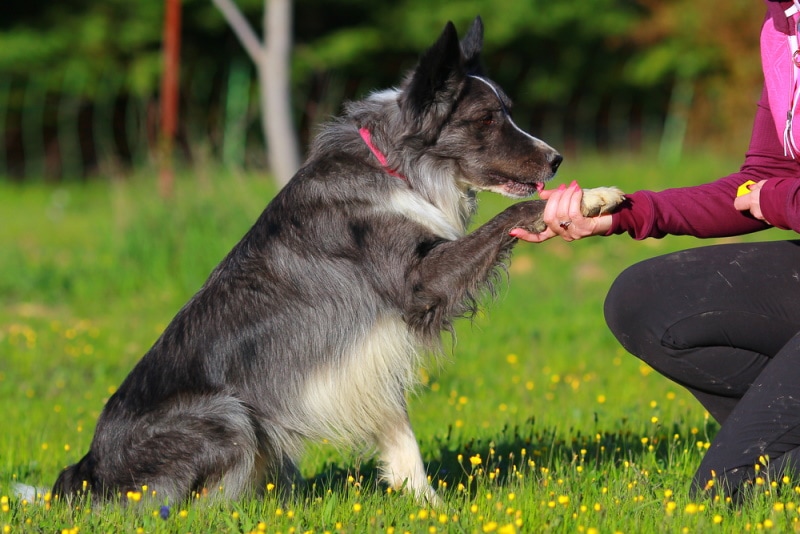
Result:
723,321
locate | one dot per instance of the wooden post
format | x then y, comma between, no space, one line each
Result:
169,94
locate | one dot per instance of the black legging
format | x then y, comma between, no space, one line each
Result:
724,322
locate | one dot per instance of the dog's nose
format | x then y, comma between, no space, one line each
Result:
555,161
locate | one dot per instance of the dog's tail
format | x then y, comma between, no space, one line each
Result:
75,480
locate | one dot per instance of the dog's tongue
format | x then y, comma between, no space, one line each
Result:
539,187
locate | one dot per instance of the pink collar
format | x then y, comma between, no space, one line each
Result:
367,137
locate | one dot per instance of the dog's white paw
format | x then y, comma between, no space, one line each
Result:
428,496
601,200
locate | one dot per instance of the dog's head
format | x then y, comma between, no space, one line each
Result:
457,113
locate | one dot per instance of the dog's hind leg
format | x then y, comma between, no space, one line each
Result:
197,444
401,461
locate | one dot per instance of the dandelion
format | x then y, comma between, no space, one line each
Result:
563,500
475,460
491,526
357,507
717,519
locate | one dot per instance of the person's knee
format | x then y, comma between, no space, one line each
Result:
623,300
629,305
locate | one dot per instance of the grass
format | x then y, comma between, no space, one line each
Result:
539,423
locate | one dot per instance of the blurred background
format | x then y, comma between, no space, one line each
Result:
81,80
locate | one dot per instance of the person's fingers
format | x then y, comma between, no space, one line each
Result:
531,237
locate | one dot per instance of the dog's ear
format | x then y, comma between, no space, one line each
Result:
431,91
471,46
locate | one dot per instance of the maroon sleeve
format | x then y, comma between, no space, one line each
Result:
780,203
707,210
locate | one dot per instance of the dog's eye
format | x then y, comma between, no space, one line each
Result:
487,120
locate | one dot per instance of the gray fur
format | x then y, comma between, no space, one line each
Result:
314,324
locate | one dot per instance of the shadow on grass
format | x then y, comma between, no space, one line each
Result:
527,451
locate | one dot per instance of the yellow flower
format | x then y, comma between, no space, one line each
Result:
475,460
357,507
491,526
717,519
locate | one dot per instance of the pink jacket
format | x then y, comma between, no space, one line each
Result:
707,210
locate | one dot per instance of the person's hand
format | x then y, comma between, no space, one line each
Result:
563,217
751,201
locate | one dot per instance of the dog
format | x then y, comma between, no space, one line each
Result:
314,325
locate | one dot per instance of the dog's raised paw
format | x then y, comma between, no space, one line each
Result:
601,200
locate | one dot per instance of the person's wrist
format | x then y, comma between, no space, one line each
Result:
602,225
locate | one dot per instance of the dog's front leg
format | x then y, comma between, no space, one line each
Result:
446,279
401,462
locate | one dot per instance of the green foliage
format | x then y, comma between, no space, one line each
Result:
539,423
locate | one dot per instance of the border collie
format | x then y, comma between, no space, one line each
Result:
314,325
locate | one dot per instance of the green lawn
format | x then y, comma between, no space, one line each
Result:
539,421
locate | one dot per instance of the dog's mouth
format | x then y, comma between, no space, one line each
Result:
513,188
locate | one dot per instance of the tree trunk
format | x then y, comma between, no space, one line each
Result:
169,95
275,82
272,60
